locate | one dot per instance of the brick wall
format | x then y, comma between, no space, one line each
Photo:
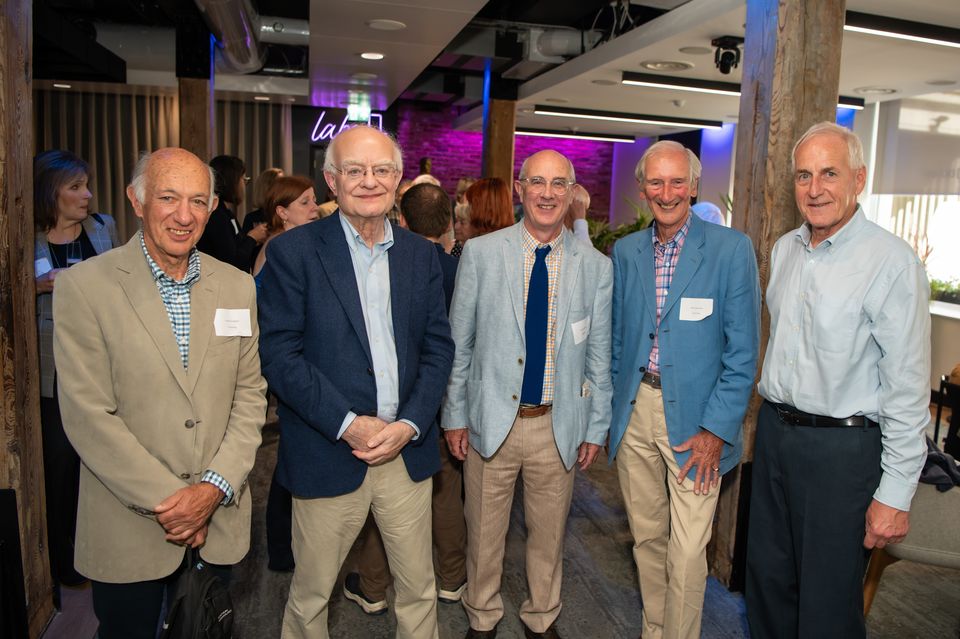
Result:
424,132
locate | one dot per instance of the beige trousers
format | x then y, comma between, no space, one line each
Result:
325,528
669,523
529,450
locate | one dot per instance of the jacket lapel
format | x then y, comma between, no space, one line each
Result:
690,258
336,261
138,285
648,284
569,272
203,305
512,252
400,282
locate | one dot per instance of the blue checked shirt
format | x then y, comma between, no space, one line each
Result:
176,299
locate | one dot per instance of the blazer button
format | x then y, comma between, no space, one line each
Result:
515,398
632,402
189,423
650,336
369,371
185,475
643,369
520,361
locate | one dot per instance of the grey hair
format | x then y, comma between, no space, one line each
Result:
139,180
331,158
669,145
523,167
854,146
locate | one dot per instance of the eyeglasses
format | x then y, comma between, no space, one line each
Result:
538,184
355,173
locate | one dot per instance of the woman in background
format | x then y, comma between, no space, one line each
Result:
66,233
260,187
221,237
487,207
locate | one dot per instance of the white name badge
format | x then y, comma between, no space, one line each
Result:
229,322
580,330
41,267
694,309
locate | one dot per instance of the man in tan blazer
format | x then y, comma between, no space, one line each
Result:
162,397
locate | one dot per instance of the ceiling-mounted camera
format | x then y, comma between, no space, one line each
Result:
727,56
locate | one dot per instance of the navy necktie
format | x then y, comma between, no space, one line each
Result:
535,329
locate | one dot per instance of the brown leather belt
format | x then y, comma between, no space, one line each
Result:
651,379
790,415
534,411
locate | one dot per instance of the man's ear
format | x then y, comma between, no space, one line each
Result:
137,206
331,182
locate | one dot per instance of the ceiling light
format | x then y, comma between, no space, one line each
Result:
261,98
632,118
902,29
381,24
60,85
598,137
371,55
935,83
712,87
695,50
557,100
874,90
604,82
363,77
666,65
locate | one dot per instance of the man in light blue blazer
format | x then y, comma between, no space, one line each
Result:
530,389
686,309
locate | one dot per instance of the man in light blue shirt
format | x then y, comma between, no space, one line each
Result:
840,442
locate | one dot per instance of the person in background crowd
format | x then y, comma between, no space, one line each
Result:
486,208
260,187
530,390
425,178
463,184
162,399
840,434
709,212
356,347
66,233
576,218
222,238
425,211
686,322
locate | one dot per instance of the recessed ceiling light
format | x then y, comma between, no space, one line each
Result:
695,50
364,77
371,55
381,24
60,85
291,99
874,90
604,82
261,98
557,100
935,83
666,65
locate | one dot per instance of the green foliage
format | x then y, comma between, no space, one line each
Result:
603,236
945,290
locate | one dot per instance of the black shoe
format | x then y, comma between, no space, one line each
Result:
480,634
549,633
351,590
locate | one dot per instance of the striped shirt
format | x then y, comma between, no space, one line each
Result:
665,257
553,259
176,299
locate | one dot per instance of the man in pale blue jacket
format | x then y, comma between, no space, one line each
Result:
686,310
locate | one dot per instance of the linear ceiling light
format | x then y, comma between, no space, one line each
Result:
599,137
902,29
731,89
632,118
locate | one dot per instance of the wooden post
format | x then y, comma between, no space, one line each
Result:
498,125
197,125
791,80
21,456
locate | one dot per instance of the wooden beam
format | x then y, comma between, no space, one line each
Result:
21,456
791,81
498,125
197,124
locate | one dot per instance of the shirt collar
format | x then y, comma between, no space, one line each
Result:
677,238
846,232
193,267
531,244
355,241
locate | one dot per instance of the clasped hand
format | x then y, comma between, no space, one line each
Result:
376,442
186,513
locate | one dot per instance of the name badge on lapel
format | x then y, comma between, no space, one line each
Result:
230,322
694,309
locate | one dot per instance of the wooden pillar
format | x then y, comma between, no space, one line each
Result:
197,119
791,80
498,124
21,457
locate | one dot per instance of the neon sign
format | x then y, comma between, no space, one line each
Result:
327,131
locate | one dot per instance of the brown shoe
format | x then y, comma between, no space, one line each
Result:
549,633
481,634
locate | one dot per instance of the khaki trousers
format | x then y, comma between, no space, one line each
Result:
669,523
449,535
325,528
547,489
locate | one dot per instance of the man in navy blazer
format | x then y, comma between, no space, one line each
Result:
357,348
686,309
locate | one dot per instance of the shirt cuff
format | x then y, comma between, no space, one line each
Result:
346,423
215,478
416,430
895,492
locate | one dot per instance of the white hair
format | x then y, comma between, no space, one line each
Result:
331,159
139,180
669,145
426,178
854,146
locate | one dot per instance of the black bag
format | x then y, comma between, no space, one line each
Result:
201,607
